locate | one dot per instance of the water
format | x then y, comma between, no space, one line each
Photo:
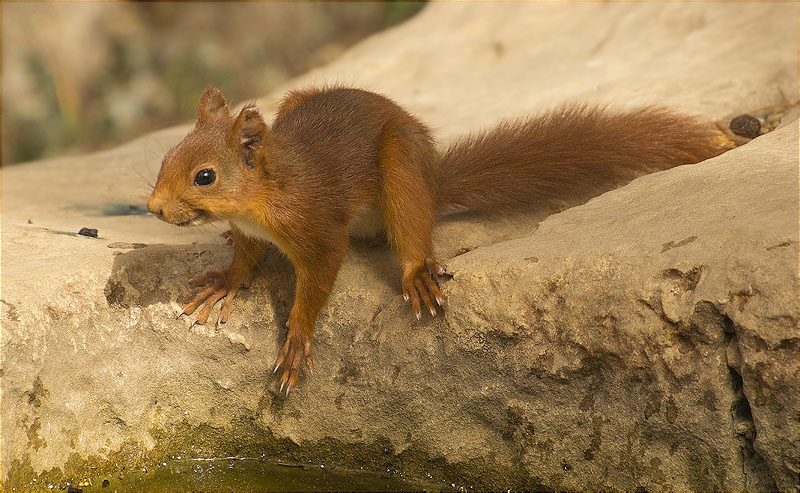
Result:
252,475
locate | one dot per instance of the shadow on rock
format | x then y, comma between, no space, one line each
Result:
150,274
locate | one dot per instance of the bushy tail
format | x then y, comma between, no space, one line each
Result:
570,155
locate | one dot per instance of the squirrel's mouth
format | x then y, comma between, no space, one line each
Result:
200,216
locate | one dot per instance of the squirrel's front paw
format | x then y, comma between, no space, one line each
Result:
420,283
226,285
296,349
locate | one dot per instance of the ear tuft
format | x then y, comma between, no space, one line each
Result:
248,131
212,106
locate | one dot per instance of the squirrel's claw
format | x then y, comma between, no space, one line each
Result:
434,266
198,299
228,236
209,303
226,286
225,311
420,285
296,350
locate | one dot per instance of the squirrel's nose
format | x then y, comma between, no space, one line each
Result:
155,206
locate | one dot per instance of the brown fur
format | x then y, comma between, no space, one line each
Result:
333,151
571,154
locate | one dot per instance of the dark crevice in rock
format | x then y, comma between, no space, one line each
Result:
754,469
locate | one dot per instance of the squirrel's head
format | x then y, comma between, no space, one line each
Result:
216,170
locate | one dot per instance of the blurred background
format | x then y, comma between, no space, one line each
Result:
79,76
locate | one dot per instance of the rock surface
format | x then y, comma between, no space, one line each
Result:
645,339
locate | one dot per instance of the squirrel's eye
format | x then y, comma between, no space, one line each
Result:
205,177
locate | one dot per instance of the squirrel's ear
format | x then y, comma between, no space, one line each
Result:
212,106
249,131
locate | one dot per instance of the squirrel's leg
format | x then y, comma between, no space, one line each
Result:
409,209
316,274
246,253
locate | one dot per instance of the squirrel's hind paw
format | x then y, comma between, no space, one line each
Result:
421,284
296,350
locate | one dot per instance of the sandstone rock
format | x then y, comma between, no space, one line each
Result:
645,339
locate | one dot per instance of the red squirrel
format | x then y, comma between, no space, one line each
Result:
336,154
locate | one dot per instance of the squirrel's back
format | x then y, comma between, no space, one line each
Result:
336,134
